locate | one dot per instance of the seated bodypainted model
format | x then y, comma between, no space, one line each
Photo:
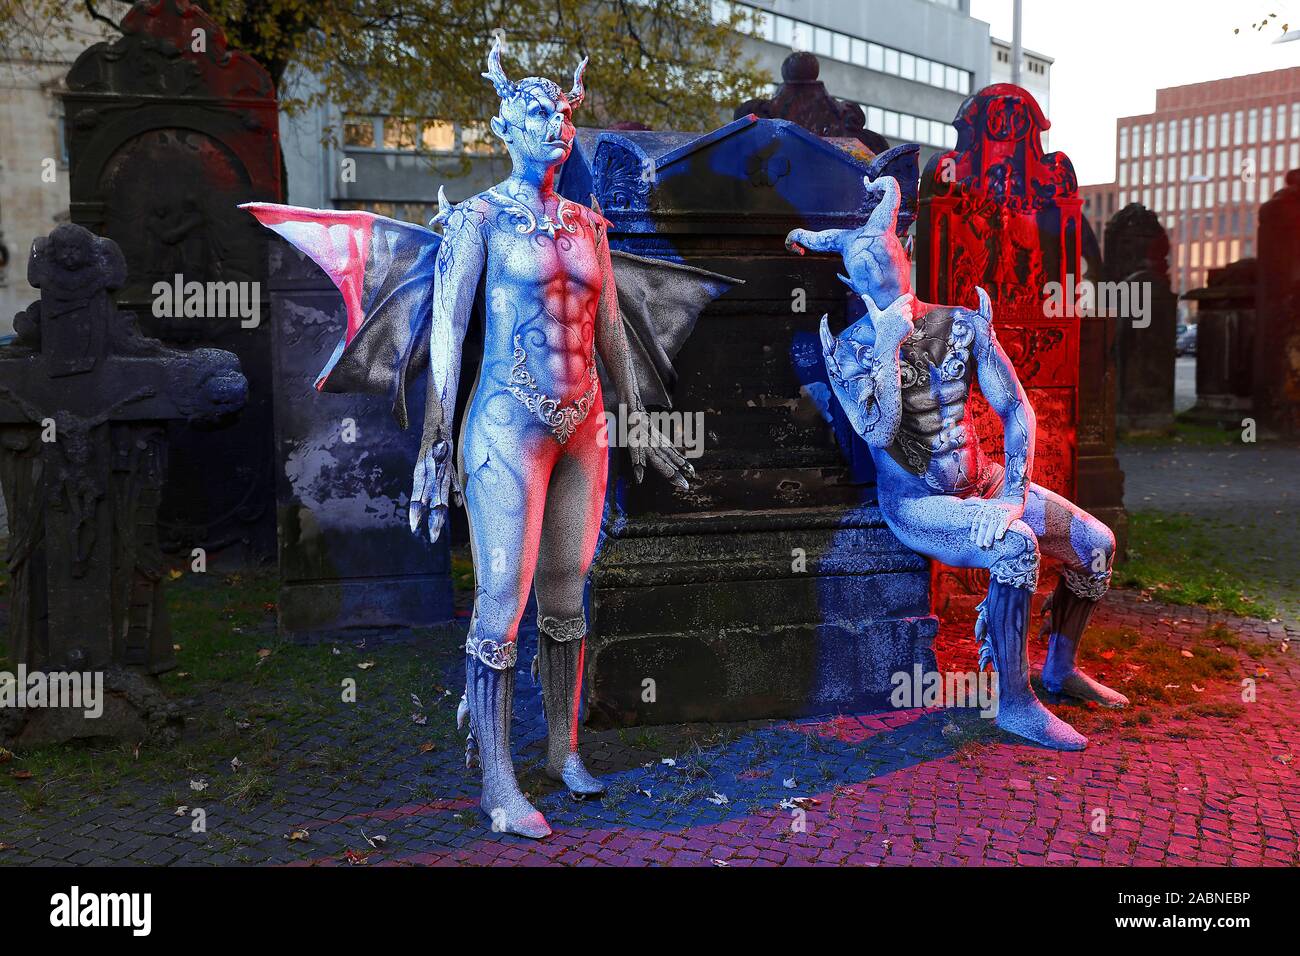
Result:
903,375
533,457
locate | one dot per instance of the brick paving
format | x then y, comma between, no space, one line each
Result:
1216,785
900,787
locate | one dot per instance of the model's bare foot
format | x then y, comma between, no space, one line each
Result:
1035,722
575,776
1079,685
516,815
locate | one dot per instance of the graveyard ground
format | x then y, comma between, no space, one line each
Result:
286,772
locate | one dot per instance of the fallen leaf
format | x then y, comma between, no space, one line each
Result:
1198,689
297,836
173,574
6,755
668,762
377,841
1187,653
354,857
264,652
719,862
420,719
365,665
5,846
789,783
1284,759
243,724
181,811
416,701
428,747
176,647
1107,655
720,799
21,774
235,764
198,786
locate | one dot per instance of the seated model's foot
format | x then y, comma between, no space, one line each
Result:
1033,721
575,776
1075,683
514,814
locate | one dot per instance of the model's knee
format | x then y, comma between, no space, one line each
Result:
497,615
1016,558
1099,545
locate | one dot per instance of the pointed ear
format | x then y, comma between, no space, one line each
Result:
501,128
828,340
986,307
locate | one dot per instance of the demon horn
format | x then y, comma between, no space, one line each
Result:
505,89
579,92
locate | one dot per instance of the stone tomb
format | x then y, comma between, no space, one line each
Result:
773,587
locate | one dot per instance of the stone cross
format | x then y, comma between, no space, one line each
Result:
84,401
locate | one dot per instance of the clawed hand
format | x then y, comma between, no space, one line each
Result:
893,324
431,488
663,457
992,519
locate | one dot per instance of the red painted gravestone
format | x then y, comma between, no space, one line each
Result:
998,212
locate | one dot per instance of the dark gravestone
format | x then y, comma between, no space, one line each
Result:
802,98
348,560
1137,251
1099,482
999,213
84,403
168,130
1277,332
1225,345
772,587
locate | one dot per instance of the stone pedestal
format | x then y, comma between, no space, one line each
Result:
772,587
1225,346
1277,333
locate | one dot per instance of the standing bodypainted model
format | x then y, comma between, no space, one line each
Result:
903,375
533,458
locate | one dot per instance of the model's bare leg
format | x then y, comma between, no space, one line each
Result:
570,530
1086,547
938,526
505,497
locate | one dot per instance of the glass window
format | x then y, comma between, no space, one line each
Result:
891,62
858,52
359,131
784,34
841,43
1266,130
891,123
875,118
1123,174
821,41
1186,126
907,128
399,133
965,81
875,57
936,74
1238,126
1295,155
1252,126
949,137
907,66
1295,120
950,79
1198,131
438,136
1123,144
1210,127
1265,160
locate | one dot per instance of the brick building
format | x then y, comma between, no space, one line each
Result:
1205,160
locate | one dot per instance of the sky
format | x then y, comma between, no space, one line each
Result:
1112,55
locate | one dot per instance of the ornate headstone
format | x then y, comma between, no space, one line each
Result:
999,213
802,98
84,403
1137,251
772,587
168,130
1225,345
1277,332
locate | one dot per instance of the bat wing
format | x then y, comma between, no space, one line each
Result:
660,303
384,270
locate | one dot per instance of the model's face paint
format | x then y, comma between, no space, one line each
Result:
539,128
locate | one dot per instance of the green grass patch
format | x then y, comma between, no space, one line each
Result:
1181,559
